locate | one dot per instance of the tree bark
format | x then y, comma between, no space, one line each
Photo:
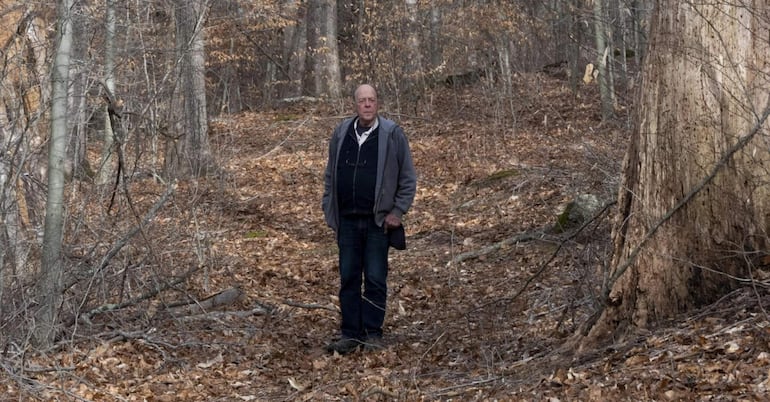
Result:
324,70
294,49
105,173
193,154
693,205
603,50
22,102
49,291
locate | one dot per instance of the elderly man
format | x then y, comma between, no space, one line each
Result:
369,184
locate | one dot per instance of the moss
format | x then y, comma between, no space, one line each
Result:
497,176
286,117
564,220
256,234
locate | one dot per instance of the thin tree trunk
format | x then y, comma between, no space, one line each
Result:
49,291
603,51
105,174
294,49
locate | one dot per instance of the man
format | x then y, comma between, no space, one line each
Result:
369,184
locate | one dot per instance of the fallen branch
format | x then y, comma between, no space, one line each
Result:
218,315
226,297
539,234
86,317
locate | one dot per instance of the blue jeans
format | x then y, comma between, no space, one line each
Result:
363,255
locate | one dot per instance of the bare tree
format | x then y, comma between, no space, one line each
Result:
49,291
22,100
192,153
604,51
693,206
324,78
105,166
294,49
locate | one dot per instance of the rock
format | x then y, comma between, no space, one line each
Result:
577,212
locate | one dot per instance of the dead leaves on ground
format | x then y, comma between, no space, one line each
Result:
455,331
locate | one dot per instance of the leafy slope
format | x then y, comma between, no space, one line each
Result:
482,329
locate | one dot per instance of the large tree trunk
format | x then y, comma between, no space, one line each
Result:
49,291
694,201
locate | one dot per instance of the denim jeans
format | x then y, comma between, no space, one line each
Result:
363,255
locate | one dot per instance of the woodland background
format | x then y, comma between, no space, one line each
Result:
163,166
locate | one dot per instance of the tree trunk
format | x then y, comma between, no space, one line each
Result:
603,50
324,71
436,46
49,291
693,205
193,154
294,49
22,103
105,172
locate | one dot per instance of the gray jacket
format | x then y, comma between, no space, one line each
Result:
396,177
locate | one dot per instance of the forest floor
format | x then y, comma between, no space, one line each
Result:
465,322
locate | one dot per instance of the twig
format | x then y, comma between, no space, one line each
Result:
308,306
450,390
268,153
431,346
376,389
259,310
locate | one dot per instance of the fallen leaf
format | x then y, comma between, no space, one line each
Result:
211,362
296,385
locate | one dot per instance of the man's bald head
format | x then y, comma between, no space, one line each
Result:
365,98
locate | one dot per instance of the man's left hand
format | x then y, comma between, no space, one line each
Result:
392,221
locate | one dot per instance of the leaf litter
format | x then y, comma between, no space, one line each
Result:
456,331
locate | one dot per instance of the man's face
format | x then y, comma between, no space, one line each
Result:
366,105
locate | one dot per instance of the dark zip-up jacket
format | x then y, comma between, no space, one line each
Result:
396,182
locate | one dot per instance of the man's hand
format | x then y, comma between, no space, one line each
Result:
392,221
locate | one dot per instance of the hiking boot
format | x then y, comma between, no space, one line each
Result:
343,346
374,344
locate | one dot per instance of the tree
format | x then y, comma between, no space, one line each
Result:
49,291
193,153
693,206
105,166
22,98
603,46
324,76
